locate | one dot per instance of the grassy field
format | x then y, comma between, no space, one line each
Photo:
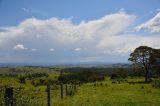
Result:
109,94
104,93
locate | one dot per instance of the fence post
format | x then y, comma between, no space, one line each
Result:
61,91
66,90
75,87
9,96
48,94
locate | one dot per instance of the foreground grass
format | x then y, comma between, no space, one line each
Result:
103,93
123,94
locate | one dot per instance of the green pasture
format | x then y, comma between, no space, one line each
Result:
129,92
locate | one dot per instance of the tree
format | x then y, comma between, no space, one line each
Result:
143,56
156,65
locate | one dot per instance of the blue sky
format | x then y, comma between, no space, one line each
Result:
12,10
76,31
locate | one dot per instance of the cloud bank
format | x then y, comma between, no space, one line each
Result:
95,40
153,24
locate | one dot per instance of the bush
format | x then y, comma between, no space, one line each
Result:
21,79
37,75
114,76
119,74
81,76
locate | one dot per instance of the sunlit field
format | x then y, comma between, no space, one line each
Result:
130,91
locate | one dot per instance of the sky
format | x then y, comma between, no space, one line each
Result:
76,31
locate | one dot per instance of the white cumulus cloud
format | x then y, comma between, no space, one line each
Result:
19,47
152,24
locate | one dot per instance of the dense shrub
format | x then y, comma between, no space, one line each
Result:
82,76
37,75
114,76
119,74
22,79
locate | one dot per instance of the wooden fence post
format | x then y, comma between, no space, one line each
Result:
75,87
66,90
9,96
48,94
61,91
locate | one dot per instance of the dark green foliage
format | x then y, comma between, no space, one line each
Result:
42,81
36,75
82,76
22,79
120,73
114,76
138,71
